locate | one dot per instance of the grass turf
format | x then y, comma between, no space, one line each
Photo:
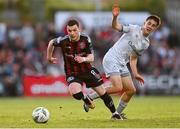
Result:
142,112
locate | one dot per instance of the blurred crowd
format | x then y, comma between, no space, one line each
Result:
23,52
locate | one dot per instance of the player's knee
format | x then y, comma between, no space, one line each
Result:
131,92
78,96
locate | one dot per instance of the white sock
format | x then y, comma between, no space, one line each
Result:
122,105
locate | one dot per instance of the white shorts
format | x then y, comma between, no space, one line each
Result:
111,67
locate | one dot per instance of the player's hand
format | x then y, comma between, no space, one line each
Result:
115,10
139,78
79,59
52,60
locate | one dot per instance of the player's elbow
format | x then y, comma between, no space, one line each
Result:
117,27
50,43
113,26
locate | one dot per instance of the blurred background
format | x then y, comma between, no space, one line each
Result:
26,27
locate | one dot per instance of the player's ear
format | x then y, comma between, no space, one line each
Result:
80,28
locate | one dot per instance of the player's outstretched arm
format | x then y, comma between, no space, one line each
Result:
115,24
133,65
50,50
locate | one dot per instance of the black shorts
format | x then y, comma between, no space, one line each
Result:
91,79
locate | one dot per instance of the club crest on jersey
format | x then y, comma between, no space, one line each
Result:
70,78
82,45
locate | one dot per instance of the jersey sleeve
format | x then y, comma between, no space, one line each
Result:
57,42
144,49
139,53
127,28
89,49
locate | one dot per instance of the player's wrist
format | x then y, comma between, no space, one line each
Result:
84,59
49,59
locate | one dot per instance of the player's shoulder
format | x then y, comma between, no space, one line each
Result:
134,26
130,27
83,35
62,38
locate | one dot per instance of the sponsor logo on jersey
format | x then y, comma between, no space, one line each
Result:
82,45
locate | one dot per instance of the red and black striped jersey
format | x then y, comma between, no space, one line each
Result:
70,49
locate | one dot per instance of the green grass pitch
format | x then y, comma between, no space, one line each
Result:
142,112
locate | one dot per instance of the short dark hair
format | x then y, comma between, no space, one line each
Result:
155,18
73,22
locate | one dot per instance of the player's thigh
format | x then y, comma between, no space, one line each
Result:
116,80
128,84
92,78
74,84
110,67
100,90
74,88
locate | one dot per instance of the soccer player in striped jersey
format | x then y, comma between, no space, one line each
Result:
78,55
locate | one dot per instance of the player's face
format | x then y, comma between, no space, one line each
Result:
73,32
149,26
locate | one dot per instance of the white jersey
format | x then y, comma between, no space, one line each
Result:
132,41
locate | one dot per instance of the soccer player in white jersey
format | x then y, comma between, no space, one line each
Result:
126,50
